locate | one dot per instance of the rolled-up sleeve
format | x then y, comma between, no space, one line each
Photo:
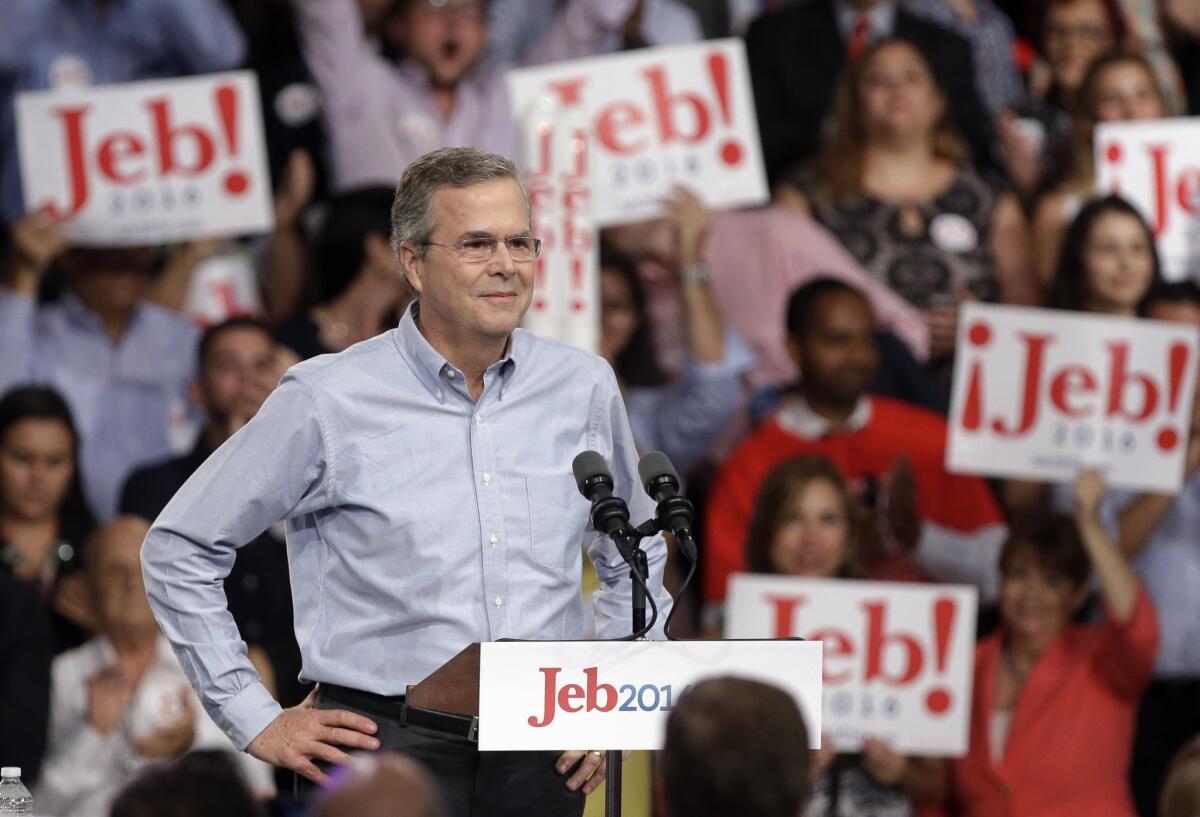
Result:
276,467
613,600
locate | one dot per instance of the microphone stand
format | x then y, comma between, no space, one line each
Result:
630,548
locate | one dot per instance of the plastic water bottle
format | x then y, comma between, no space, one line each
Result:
14,797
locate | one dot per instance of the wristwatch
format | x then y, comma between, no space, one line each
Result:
698,273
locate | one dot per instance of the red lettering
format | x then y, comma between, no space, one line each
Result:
879,641
1158,158
837,645
665,104
567,697
167,137
1122,378
114,151
617,117
72,120
1072,379
785,614
1187,190
593,692
1035,349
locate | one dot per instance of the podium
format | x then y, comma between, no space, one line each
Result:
604,695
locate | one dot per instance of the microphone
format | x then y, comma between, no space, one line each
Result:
610,514
674,512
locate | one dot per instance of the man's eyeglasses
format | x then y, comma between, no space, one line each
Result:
483,248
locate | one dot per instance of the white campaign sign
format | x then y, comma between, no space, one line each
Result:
1040,394
557,695
1156,165
147,162
657,117
566,280
898,657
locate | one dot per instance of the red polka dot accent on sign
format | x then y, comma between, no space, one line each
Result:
731,153
1168,438
937,701
980,334
576,305
1113,153
539,304
237,183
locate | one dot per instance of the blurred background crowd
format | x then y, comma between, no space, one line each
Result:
793,360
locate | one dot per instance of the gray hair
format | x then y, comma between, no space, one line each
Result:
412,209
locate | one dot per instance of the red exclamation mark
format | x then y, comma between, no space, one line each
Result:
1113,155
236,181
1177,361
718,68
938,699
979,335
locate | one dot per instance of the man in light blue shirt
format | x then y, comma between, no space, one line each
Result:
426,483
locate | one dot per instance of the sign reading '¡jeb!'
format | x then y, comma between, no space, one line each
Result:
681,114
1040,394
898,657
1156,165
147,162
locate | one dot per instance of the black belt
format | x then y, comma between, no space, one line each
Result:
461,727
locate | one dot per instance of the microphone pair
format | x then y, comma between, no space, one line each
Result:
610,514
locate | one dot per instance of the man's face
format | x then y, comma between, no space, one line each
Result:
109,280
233,368
448,39
837,354
114,569
473,300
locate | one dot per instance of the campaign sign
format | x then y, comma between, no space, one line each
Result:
147,162
1156,165
1040,394
657,117
557,695
566,288
898,657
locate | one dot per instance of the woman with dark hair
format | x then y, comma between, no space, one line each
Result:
1119,86
807,523
361,289
895,185
1054,703
202,783
44,519
681,416
1109,263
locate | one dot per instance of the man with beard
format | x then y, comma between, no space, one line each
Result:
883,447
381,116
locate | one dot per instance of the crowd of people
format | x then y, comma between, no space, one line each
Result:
794,361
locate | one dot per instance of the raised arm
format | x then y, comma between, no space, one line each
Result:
1118,583
36,241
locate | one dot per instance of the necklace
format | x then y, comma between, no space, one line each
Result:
1019,675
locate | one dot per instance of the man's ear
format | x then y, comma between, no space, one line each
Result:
196,393
793,350
411,266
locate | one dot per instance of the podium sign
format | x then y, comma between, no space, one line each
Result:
558,695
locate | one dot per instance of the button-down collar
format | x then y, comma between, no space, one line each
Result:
431,367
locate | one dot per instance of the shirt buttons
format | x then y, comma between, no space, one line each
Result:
498,601
439,394
493,540
450,373
478,419
487,477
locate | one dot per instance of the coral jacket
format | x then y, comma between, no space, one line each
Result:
1071,732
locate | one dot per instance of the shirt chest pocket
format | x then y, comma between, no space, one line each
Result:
557,520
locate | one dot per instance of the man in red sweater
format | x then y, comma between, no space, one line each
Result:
831,337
